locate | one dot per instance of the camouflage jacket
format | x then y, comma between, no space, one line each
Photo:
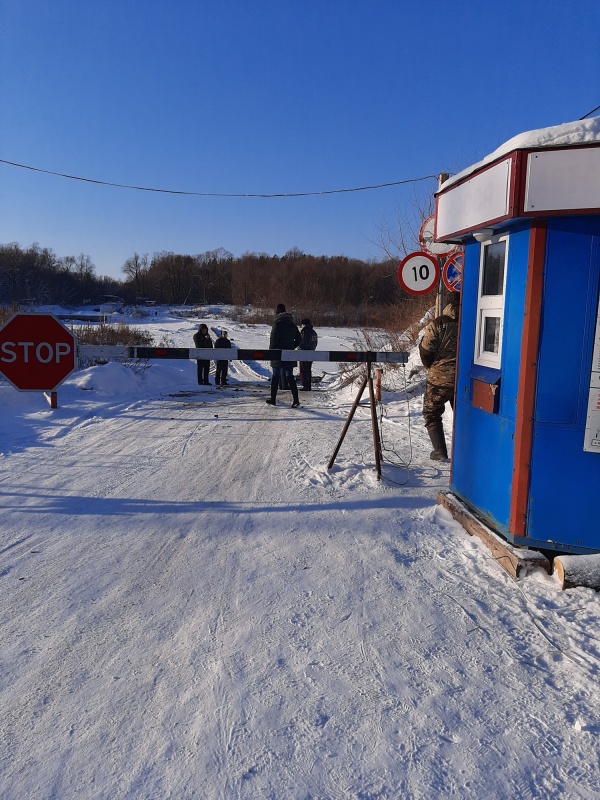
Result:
437,348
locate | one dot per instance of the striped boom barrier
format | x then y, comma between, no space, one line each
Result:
245,354
239,354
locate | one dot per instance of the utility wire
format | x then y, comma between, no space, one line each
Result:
589,112
225,194
214,194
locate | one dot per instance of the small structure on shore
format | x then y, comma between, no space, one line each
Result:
526,445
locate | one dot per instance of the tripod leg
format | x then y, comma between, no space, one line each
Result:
374,424
348,421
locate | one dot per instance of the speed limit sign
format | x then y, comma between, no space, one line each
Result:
419,273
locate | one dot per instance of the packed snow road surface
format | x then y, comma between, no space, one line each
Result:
193,606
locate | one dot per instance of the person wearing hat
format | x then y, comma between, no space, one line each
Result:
284,336
309,342
202,340
221,364
437,350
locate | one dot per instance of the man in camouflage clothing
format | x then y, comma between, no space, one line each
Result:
437,349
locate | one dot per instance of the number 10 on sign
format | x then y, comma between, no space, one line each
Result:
419,273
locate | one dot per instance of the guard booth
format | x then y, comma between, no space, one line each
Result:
526,443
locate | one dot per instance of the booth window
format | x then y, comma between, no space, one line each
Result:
490,302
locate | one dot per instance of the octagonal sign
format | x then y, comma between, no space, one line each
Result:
37,352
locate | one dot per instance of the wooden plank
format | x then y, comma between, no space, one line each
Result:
515,560
578,570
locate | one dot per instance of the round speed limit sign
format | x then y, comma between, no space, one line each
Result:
419,273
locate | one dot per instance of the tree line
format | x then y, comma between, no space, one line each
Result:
337,289
37,276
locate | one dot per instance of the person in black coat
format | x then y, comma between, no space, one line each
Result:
309,342
284,336
222,365
203,340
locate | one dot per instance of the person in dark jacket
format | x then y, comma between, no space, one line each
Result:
203,340
437,350
284,336
309,342
222,365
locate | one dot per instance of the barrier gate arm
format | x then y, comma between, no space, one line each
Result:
239,354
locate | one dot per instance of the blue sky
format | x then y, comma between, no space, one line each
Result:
266,97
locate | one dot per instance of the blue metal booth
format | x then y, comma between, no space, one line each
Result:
526,443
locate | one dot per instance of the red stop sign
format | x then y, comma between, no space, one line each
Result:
37,352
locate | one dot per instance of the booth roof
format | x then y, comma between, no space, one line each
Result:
585,131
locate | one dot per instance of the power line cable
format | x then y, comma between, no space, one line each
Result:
214,194
589,112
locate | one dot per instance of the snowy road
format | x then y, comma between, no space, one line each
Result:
194,607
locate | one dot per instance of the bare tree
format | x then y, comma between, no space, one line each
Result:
136,268
400,236
84,266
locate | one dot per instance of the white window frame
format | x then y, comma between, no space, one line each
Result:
490,306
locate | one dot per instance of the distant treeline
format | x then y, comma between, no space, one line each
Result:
336,289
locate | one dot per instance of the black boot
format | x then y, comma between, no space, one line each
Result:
272,401
294,388
438,440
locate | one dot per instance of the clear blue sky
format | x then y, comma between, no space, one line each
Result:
261,97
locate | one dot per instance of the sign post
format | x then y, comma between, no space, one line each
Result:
37,352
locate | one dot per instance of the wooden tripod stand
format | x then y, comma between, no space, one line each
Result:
368,380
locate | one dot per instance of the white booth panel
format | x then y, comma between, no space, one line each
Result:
563,179
471,204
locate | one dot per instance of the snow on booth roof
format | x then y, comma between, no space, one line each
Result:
547,171
585,131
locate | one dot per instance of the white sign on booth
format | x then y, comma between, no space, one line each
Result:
563,180
478,200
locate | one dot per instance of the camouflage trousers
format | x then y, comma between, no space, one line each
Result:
434,403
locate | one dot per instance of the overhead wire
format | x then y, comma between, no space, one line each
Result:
215,194
589,112
230,194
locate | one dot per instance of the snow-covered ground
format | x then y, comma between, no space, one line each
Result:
193,606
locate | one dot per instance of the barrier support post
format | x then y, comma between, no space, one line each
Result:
378,374
348,421
368,380
52,398
374,424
